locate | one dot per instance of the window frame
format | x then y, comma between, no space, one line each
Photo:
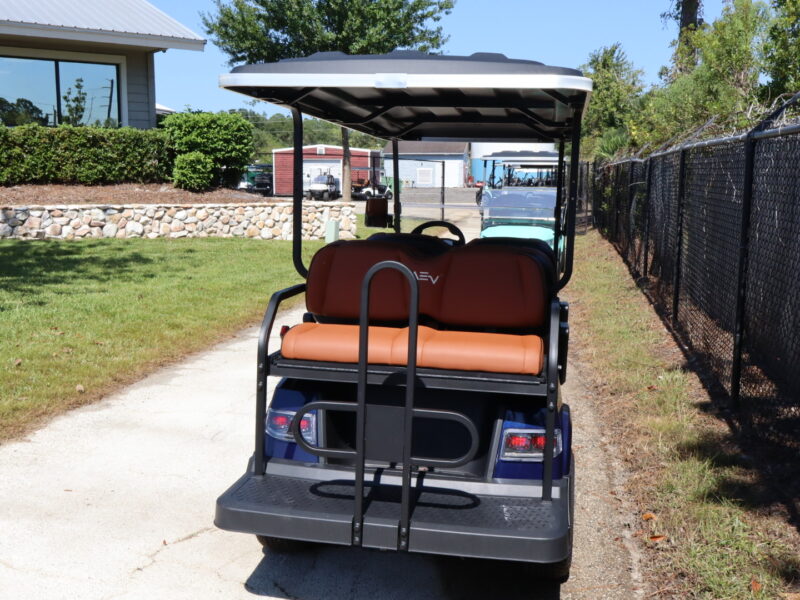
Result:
117,60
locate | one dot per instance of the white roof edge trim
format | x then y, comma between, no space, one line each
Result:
378,80
102,36
291,148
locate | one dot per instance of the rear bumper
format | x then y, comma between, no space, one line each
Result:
443,521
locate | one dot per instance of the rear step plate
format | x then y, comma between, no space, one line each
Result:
442,521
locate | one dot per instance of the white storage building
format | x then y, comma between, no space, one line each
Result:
421,163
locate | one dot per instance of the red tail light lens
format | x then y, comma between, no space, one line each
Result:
527,444
518,443
279,423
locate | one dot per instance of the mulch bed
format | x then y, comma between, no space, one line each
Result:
126,193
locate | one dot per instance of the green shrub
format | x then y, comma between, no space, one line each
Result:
225,138
194,171
97,155
85,155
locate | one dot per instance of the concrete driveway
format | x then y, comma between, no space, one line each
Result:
116,500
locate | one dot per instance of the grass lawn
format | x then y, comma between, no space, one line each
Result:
79,319
702,540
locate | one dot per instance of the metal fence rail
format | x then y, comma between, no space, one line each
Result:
713,230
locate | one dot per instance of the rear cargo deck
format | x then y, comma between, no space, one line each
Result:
443,521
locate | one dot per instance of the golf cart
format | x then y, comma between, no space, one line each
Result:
257,178
418,404
323,187
366,185
525,206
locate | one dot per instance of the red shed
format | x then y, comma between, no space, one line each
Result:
320,159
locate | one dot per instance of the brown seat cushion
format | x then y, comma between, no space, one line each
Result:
456,350
472,286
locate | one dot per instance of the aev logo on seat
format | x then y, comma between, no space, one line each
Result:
425,276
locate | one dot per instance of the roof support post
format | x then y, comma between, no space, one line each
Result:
559,199
441,193
396,173
572,198
297,193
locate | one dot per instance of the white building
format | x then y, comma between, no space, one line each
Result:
421,163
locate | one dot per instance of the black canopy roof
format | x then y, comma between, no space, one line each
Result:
411,95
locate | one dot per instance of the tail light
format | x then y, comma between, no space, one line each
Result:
279,421
527,444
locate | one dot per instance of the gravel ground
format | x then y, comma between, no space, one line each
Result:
606,564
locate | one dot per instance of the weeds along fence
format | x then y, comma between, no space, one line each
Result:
712,230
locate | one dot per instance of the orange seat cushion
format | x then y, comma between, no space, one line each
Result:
455,350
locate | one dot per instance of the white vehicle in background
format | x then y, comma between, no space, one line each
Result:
324,187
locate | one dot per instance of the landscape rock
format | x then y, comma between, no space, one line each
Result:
134,229
255,221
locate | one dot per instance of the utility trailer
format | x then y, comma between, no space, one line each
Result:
418,407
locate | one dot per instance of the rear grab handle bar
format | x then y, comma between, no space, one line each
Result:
422,413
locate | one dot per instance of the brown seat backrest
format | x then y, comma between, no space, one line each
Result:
474,287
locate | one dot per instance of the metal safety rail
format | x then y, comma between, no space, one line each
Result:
391,449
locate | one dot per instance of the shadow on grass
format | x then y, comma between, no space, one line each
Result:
757,481
32,267
761,451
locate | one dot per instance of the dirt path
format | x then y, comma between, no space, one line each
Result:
116,500
605,562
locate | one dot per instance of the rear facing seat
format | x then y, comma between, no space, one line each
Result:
488,303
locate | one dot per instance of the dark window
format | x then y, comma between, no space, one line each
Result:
27,91
50,92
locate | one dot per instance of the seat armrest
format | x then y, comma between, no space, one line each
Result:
553,344
269,319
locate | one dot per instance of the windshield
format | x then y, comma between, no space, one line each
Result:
519,203
320,179
528,176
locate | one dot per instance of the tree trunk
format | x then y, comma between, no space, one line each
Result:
347,177
689,13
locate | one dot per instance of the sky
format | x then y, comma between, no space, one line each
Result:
556,32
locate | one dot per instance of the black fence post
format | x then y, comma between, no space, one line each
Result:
676,283
617,169
744,247
741,273
646,208
629,211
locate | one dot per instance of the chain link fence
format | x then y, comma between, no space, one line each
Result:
712,231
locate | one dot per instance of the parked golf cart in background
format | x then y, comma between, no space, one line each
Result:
324,187
525,205
418,406
369,183
257,179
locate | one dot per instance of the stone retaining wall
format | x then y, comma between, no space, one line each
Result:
263,220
